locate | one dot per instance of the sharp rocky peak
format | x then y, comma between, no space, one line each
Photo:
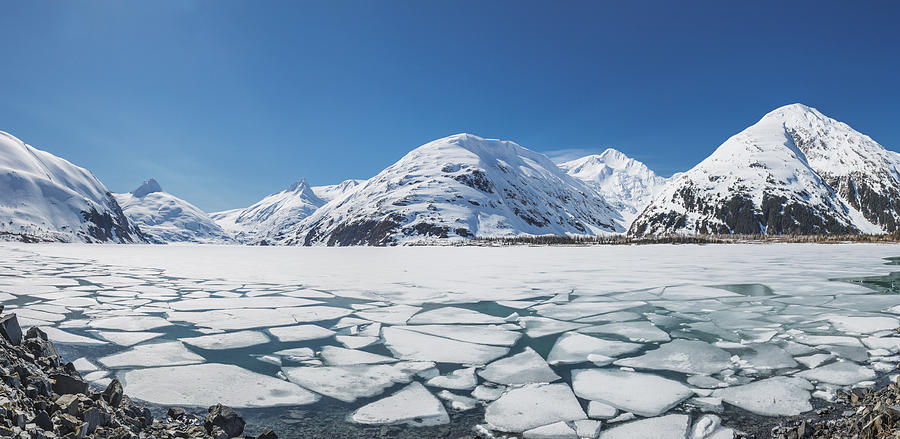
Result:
149,186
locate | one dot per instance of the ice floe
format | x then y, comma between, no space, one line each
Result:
356,342
556,430
687,356
335,356
532,406
481,334
526,367
287,334
541,326
240,303
663,427
349,383
573,347
201,385
63,337
842,373
392,315
130,323
459,379
413,405
634,331
453,315
127,338
412,345
640,393
776,396
171,353
227,340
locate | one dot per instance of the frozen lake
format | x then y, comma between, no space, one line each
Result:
541,340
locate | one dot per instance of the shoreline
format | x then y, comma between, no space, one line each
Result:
41,396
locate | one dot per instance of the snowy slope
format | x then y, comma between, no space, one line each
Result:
333,191
758,181
864,174
625,183
459,187
166,218
46,198
264,221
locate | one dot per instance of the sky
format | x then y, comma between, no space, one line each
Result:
225,101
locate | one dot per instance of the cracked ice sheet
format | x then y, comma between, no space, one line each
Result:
201,385
528,272
349,383
573,347
150,355
258,318
481,334
240,303
228,340
687,356
129,323
411,345
452,315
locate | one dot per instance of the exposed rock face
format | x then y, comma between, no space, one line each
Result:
42,397
459,187
796,171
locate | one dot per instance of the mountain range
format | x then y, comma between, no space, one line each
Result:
796,171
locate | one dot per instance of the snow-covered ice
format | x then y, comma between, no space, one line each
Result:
687,356
201,385
413,405
842,373
228,340
573,347
412,345
639,393
532,406
476,338
300,333
662,427
526,367
154,354
348,383
777,396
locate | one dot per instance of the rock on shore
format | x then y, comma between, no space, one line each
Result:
43,398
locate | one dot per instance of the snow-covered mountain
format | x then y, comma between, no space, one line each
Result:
46,198
165,218
333,191
625,183
264,221
460,186
776,177
864,174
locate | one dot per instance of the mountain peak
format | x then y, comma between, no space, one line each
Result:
299,186
149,186
794,113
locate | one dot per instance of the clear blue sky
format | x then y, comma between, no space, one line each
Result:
226,101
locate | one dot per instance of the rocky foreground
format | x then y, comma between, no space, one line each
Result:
42,397
857,414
